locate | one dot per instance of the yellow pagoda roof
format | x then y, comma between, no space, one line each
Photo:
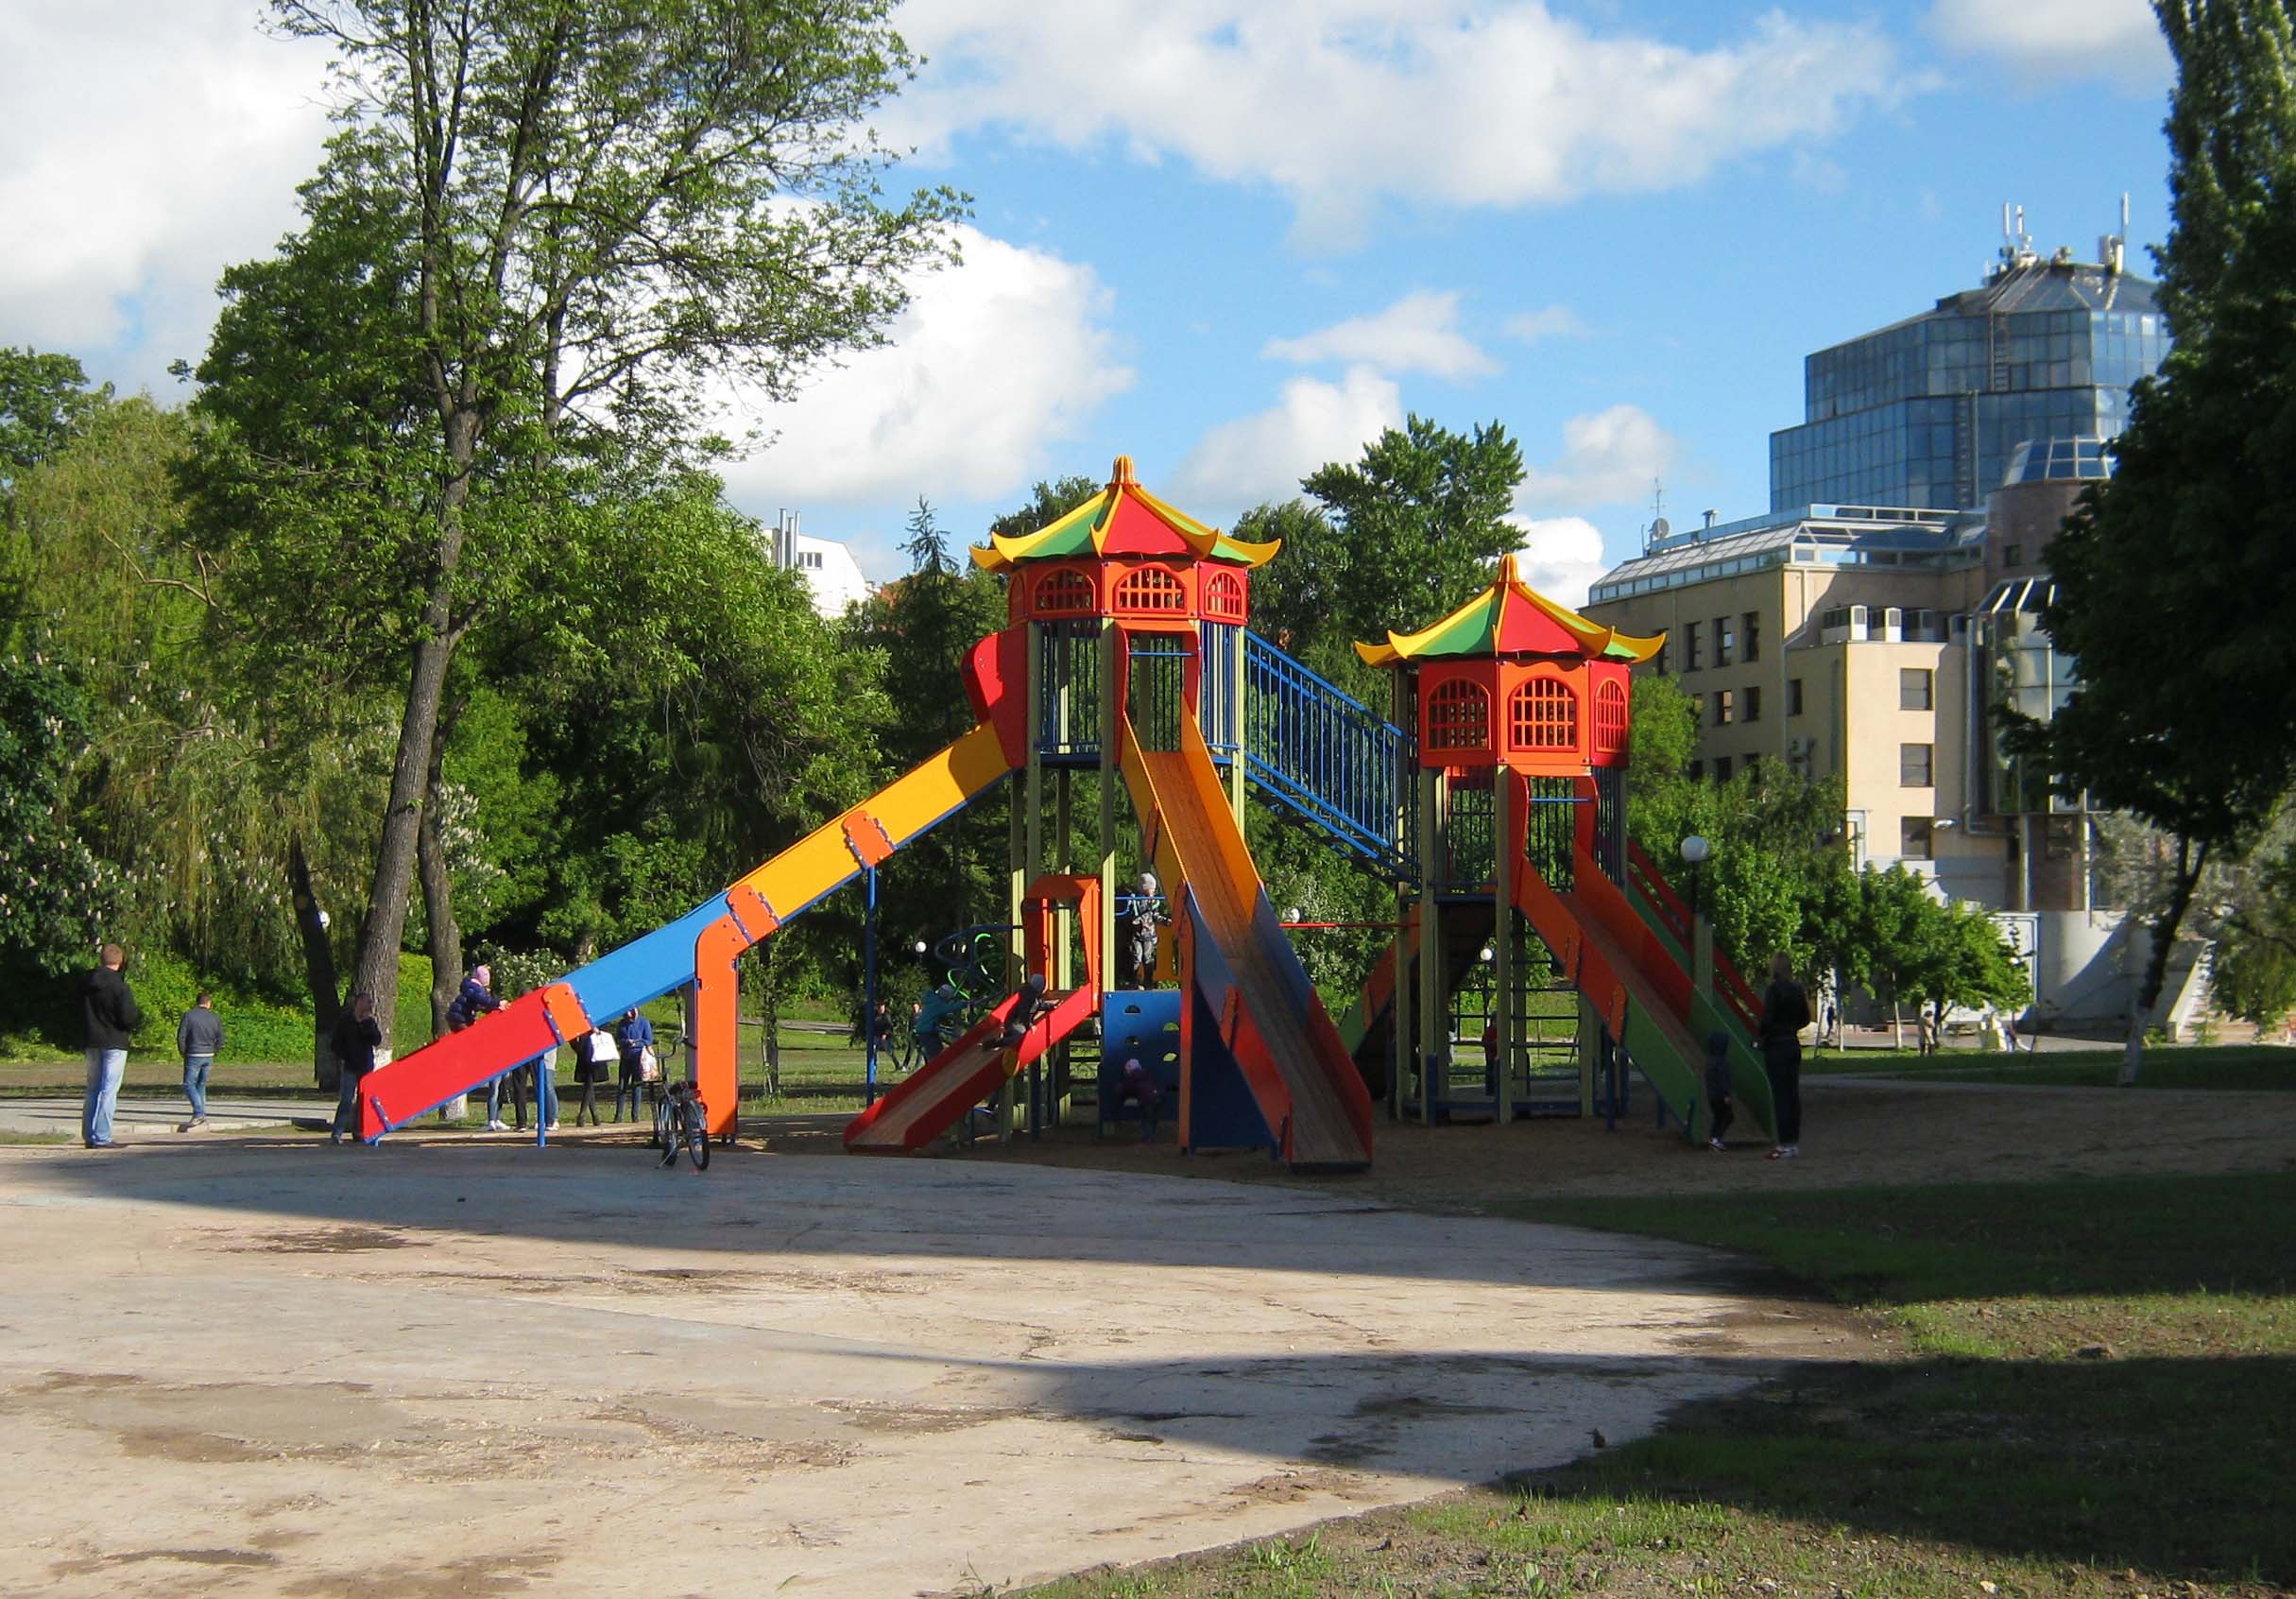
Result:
1124,518
1510,618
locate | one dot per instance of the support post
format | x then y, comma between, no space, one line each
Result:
1434,1008
1236,723
868,985
1111,639
1503,868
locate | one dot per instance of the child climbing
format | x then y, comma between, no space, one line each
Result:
1144,924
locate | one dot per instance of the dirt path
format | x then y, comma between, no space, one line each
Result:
1854,1132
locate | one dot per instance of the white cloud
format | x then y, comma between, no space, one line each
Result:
1343,104
992,362
2059,38
1548,321
1561,556
142,148
1418,334
1608,456
1241,463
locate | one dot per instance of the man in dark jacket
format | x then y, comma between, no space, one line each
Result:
199,1035
357,1036
1785,1013
109,1010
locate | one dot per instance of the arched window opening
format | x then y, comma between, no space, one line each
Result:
1610,717
1151,589
1543,715
1066,591
1459,717
1224,595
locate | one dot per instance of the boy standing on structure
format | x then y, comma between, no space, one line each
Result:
1144,924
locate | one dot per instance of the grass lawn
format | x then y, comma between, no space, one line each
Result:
2089,1388
2177,1066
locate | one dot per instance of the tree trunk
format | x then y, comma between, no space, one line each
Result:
431,868
376,973
318,967
439,910
1897,1019
2189,864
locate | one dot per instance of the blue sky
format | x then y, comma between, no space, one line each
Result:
1233,239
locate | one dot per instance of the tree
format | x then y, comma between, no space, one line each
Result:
55,894
44,402
543,230
2173,590
1407,534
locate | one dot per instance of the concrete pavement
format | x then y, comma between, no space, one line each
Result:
143,1118
469,1367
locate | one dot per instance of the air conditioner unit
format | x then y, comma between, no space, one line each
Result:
1892,626
1860,621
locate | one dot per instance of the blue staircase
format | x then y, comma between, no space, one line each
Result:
1329,759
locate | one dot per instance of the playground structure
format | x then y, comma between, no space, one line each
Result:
1128,664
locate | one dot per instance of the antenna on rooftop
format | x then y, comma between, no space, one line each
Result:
1657,530
2112,249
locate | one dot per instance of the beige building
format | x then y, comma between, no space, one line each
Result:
1835,640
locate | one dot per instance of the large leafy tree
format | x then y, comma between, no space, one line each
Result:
546,226
2173,585
1397,538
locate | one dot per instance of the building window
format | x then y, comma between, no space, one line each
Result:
1224,595
1913,838
1689,647
1065,591
1725,704
1753,620
1722,768
1726,641
2012,555
1913,766
1754,705
1659,661
1459,717
1543,715
1698,709
1793,696
1698,771
1609,717
1151,588
1916,688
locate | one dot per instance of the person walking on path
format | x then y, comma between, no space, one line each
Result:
633,1038
357,1036
1785,1013
199,1035
108,1009
595,1052
1720,1113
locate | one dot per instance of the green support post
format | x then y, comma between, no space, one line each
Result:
1502,940
1434,1013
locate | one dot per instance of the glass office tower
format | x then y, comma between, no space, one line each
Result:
1928,413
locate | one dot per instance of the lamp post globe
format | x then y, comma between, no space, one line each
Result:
1695,849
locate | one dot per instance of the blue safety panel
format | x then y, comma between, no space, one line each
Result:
1222,1112
645,970
1147,1022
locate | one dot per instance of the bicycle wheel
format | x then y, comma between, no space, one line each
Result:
697,1137
667,1132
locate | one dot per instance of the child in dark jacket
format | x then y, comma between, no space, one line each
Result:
1717,1089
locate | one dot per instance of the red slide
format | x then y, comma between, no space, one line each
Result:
937,1096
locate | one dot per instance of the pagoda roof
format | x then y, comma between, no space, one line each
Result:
1124,518
1510,618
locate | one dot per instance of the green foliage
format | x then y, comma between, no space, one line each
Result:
2173,590
44,402
1404,536
2253,919
56,897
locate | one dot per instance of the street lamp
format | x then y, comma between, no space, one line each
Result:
1694,853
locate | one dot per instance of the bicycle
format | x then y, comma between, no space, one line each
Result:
681,1121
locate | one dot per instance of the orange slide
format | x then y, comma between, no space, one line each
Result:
1299,1071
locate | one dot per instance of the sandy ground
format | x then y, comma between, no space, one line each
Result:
250,1366
1854,1132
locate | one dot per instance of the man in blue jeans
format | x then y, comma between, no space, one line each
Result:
199,1035
109,1010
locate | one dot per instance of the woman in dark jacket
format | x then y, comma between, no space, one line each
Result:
357,1036
1785,1013
632,1039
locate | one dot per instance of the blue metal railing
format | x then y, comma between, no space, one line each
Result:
1328,756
